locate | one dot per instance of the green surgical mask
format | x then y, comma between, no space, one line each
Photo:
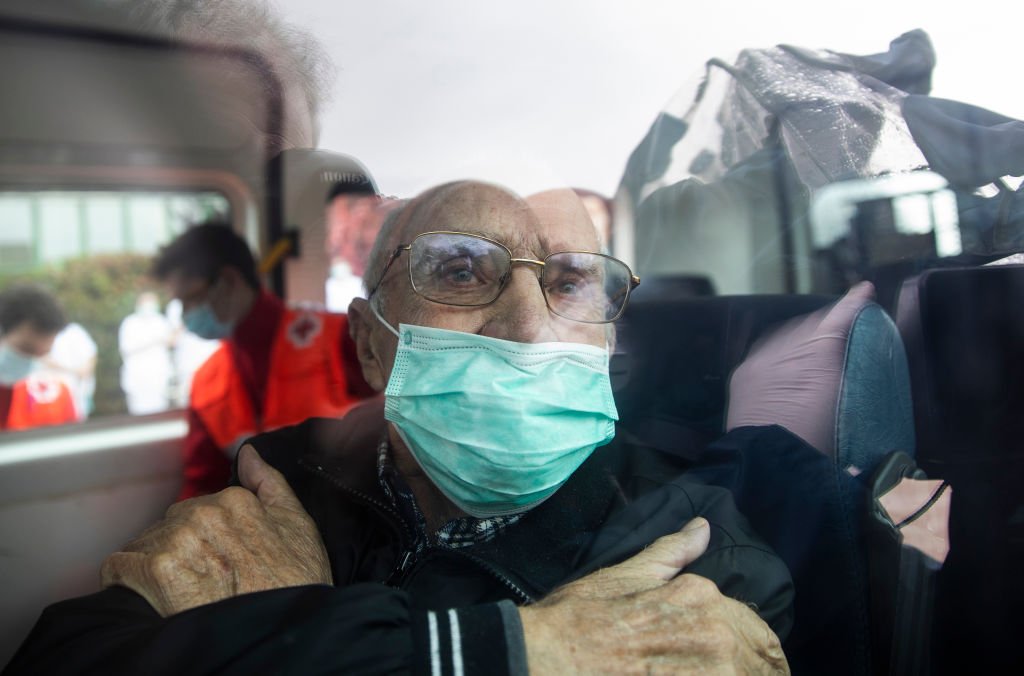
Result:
498,425
14,365
202,321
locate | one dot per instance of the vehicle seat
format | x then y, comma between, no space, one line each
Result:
964,332
675,354
832,373
837,378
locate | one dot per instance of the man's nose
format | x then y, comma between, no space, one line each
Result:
520,313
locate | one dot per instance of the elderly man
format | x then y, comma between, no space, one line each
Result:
404,536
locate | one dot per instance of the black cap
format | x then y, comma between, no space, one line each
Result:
350,183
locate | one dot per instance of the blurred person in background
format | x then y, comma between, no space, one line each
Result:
276,366
189,353
30,319
73,360
144,339
353,216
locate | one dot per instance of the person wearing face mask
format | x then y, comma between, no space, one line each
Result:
144,340
477,521
276,366
30,319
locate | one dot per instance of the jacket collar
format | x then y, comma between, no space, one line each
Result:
539,552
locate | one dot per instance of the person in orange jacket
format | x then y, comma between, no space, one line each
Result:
30,319
277,365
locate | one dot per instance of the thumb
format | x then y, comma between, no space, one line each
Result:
651,568
669,554
267,483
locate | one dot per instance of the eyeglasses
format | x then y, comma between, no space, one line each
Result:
456,268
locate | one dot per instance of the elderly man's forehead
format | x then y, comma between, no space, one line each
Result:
544,223
564,219
468,206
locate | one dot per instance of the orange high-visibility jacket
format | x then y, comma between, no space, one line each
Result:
37,401
306,378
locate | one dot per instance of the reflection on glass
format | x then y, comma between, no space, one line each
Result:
91,250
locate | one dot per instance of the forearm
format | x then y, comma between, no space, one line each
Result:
311,629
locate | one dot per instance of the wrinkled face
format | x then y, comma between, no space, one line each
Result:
28,340
531,229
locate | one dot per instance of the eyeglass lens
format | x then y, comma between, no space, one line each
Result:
461,269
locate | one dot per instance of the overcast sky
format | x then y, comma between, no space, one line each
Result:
541,93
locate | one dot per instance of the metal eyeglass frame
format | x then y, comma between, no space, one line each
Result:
634,281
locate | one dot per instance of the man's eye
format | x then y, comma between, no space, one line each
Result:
458,271
461,275
569,286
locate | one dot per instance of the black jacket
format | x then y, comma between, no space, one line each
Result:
620,500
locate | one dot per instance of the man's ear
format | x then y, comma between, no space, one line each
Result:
233,285
236,303
361,323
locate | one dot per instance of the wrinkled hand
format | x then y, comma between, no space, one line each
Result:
213,547
640,617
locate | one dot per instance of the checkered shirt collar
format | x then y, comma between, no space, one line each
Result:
461,532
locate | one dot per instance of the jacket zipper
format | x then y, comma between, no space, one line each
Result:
386,511
521,595
409,561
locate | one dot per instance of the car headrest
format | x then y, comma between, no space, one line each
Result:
837,378
672,287
964,332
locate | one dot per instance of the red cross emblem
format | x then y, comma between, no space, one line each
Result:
304,329
43,390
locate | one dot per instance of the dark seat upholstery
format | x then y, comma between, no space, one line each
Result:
675,356
964,333
672,382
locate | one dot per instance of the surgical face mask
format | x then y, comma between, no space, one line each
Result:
497,425
14,365
202,321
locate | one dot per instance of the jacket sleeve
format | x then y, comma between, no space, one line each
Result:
810,511
366,628
736,560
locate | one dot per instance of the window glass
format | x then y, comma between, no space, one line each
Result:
124,348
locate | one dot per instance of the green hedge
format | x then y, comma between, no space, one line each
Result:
97,292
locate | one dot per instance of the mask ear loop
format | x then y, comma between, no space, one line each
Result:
610,339
373,309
